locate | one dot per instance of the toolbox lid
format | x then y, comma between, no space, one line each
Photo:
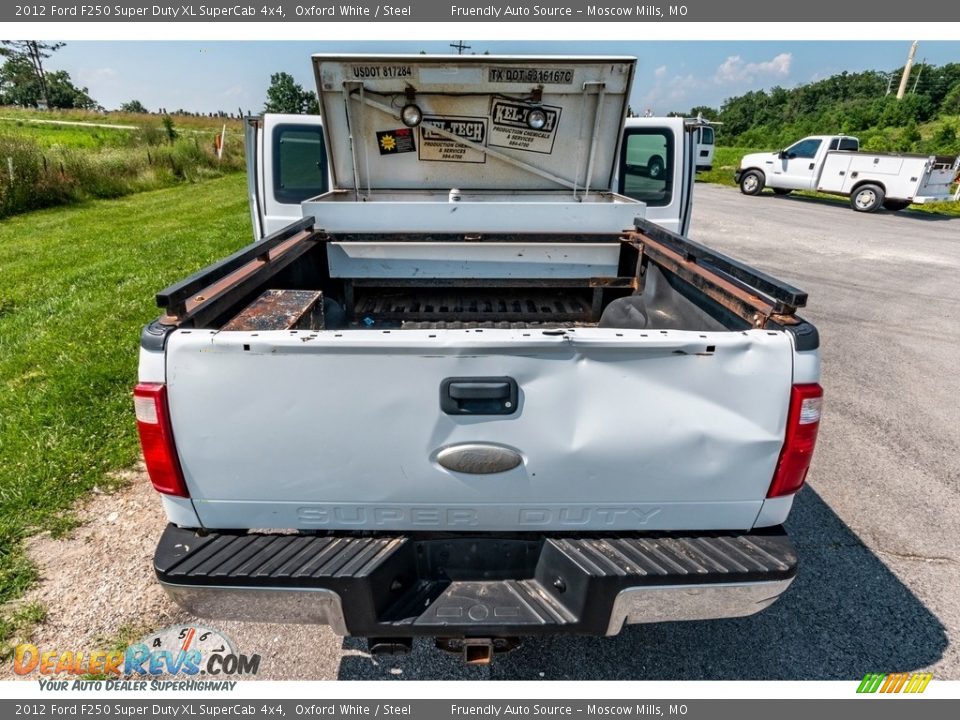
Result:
485,122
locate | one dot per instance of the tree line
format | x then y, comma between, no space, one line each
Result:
862,104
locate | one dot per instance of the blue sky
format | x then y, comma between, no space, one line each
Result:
675,75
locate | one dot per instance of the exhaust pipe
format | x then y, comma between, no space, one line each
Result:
390,646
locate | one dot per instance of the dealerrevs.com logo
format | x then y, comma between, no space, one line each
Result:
189,651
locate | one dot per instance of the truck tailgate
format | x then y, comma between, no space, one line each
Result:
617,429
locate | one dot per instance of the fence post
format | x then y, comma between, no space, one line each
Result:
10,169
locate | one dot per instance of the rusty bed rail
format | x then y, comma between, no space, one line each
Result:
201,295
748,293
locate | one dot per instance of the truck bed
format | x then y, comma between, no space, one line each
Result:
649,397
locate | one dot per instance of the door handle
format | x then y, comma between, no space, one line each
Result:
479,396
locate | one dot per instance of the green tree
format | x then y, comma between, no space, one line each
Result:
909,138
19,85
944,140
62,93
951,101
709,113
286,96
169,129
34,52
134,106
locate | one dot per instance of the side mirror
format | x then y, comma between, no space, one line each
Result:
783,155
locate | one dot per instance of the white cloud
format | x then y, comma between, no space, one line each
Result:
668,93
735,70
94,75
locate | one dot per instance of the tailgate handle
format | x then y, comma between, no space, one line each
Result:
479,390
478,396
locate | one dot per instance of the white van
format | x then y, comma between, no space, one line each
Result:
705,146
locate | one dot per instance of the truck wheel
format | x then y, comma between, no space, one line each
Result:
782,191
896,205
751,182
655,167
867,198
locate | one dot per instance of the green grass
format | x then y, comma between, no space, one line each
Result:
73,136
16,623
191,122
727,159
77,285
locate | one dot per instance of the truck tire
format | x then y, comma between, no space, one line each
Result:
867,198
655,167
782,191
751,182
896,205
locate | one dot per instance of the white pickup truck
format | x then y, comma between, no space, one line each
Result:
471,392
834,164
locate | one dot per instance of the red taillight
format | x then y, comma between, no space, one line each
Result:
803,422
156,439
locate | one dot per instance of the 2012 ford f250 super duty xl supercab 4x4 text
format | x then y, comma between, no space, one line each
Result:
472,392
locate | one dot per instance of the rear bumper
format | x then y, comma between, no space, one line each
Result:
478,586
924,199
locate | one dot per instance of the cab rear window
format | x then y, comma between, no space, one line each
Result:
299,163
646,165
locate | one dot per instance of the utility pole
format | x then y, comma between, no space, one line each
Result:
460,47
919,73
906,70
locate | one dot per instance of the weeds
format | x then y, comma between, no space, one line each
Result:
34,175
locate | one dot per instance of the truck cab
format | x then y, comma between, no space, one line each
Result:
797,167
287,163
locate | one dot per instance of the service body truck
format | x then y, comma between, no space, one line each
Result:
470,392
834,164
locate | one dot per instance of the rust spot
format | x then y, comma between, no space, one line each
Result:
281,310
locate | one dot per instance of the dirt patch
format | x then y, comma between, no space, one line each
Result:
97,585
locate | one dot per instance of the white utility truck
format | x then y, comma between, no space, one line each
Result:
834,164
470,392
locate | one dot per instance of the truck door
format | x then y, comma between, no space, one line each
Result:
798,165
651,170
287,165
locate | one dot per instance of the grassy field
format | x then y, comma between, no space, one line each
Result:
727,159
77,285
191,122
46,160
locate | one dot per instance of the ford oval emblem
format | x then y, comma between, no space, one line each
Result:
479,459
